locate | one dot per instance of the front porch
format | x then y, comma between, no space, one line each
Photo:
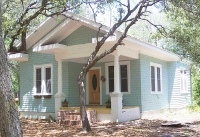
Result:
71,115
110,78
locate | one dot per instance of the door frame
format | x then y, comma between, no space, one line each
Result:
87,85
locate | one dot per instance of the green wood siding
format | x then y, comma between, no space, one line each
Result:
153,101
82,35
27,100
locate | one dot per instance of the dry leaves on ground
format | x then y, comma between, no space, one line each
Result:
151,126
137,128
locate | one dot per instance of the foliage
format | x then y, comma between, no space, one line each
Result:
14,72
181,35
196,85
194,108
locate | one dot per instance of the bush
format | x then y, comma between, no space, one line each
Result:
195,71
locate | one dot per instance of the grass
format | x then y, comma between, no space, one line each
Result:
194,108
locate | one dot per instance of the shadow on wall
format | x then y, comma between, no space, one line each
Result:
29,103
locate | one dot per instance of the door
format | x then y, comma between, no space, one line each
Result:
94,87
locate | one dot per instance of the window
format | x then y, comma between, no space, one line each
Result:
43,80
183,80
124,77
156,78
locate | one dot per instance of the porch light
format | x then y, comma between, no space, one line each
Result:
103,78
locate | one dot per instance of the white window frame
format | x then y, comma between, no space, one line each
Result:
156,84
128,75
184,77
43,73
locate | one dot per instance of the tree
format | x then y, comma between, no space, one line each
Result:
10,125
14,24
182,37
181,30
128,14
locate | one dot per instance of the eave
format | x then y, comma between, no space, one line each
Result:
18,57
150,50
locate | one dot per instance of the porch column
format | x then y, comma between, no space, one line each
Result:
116,74
116,96
59,96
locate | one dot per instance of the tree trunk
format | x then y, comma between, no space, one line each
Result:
84,118
10,125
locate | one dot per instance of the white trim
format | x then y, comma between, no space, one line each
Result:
128,75
87,85
150,50
111,38
51,48
53,32
156,66
60,76
43,92
185,77
18,57
36,115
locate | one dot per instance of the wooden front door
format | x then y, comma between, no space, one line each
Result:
94,87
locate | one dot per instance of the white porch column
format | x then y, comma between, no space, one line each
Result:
59,96
116,96
116,74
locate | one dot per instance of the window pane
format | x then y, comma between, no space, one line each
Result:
111,78
183,76
124,80
158,79
111,85
123,69
38,80
48,80
124,85
152,78
111,71
185,81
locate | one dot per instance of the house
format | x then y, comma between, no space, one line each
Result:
148,78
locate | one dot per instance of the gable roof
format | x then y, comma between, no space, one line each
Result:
55,29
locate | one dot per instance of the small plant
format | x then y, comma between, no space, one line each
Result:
50,119
65,103
108,103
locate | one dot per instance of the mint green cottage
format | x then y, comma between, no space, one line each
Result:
137,77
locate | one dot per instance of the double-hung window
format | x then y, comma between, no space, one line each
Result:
156,78
183,81
43,80
124,76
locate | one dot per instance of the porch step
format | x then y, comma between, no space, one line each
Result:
72,122
72,117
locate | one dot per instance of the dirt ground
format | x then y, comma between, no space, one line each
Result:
149,126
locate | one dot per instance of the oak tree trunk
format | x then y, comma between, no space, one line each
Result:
84,118
10,125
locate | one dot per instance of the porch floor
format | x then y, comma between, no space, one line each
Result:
99,109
